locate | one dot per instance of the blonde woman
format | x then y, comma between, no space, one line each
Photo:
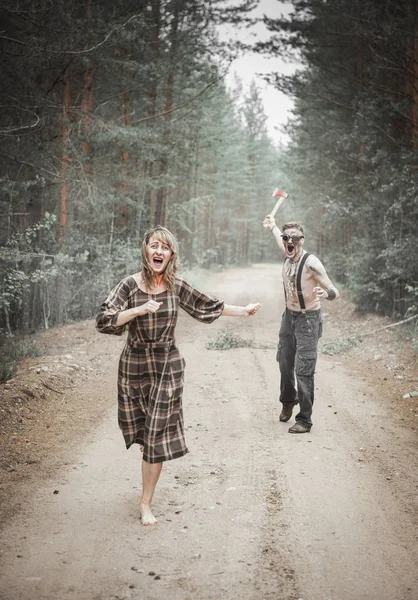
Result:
151,369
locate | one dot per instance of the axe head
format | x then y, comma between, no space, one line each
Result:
278,193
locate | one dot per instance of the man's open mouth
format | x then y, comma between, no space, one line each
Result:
290,248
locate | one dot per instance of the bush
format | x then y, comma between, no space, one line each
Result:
339,346
13,350
227,340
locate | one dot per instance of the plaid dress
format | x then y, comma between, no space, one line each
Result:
151,369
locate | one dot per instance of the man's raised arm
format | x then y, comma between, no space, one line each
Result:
270,223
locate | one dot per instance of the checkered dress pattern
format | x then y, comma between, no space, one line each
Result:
151,369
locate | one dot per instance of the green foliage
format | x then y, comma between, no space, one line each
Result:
132,127
340,346
14,284
27,271
12,350
352,159
226,340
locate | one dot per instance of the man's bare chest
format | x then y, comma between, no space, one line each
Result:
297,277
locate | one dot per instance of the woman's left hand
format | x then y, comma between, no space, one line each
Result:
251,309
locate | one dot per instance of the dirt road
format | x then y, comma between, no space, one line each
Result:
251,512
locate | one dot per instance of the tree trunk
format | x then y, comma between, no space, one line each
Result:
125,157
86,108
414,85
161,209
65,163
152,102
361,79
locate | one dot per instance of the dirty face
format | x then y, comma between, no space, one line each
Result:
293,241
159,254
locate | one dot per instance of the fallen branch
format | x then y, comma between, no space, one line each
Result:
50,387
264,345
344,344
382,328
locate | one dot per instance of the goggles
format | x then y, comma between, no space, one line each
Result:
292,238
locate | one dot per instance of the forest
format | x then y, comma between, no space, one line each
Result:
352,161
116,117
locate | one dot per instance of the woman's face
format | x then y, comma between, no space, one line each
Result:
158,255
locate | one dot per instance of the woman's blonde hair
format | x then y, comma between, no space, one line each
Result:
165,237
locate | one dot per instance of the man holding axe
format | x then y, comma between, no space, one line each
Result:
306,283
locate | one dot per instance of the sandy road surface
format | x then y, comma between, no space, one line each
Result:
252,512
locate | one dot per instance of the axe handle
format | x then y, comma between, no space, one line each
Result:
277,206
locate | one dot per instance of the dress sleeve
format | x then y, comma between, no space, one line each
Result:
109,311
198,305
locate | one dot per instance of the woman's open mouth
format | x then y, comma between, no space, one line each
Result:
157,261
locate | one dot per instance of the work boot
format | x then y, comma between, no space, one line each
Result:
286,413
299,428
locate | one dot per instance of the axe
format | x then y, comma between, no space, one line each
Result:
282,197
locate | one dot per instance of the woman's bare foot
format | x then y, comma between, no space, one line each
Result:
147,518
150,474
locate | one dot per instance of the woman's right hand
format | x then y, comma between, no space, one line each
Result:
125,316
149,307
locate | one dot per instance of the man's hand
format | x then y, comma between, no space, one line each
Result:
269,222
322,294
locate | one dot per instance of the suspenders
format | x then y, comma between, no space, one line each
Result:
298,283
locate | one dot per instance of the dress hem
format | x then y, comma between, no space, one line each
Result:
159,459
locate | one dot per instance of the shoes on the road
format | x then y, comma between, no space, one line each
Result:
299,428
286,413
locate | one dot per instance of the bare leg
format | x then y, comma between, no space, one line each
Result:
150,475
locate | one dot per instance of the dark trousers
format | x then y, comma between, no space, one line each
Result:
296,355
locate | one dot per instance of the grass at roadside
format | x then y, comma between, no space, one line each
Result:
12,350
226,340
